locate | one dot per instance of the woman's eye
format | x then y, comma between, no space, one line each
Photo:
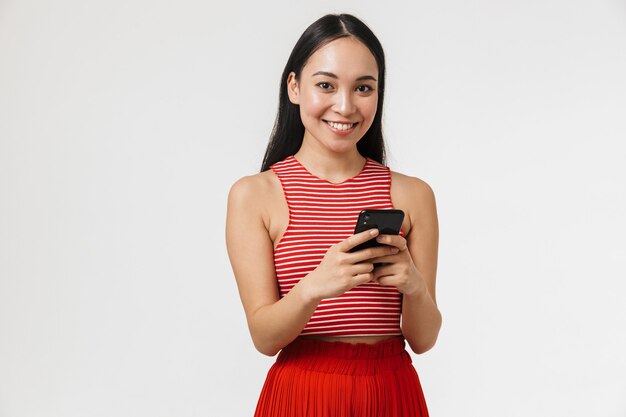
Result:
324,86
367,88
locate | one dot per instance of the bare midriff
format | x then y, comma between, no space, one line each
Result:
350,339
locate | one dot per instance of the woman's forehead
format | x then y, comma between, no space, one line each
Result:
344,57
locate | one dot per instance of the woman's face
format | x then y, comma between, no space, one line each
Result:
337,94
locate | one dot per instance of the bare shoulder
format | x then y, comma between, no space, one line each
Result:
416,198
411,184
250,187
412,192
254,193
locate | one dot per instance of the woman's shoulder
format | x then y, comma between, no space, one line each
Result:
412,185
252,188
415,197
255,195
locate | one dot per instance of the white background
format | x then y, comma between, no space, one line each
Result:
123,125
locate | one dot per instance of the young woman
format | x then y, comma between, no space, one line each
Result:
339,322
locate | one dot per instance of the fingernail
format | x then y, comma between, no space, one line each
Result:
374,232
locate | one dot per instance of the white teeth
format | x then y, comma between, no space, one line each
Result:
341,126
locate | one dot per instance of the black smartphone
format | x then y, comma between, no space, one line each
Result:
388,222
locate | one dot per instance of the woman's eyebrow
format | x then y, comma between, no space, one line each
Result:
330,74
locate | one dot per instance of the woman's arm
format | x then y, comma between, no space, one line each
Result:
421,319
273,322
412,270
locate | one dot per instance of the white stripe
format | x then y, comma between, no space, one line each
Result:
370,332
307,252
278,269
293,249
343,325
339,235
344,319
373,189
334,198
331,312
347,207
339,213
290,181
352,217
280,266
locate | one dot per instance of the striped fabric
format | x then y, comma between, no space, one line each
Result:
321,214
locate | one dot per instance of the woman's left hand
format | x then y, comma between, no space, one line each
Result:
401,271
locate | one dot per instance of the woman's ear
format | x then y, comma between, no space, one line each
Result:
293,90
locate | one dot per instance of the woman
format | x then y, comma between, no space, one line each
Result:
333,315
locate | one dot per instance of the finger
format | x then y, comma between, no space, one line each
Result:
392,240
387,281
362,268
362,278
357,239
374,252
383,274
393,258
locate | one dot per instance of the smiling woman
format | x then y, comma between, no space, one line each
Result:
336,92
339,323
341,100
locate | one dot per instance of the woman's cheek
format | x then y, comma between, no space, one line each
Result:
368,111
371,108
315,105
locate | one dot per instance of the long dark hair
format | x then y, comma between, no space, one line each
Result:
288,131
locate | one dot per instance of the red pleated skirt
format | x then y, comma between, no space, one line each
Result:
315,378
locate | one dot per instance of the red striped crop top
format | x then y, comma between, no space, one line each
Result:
321,214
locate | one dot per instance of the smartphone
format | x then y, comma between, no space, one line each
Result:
388,222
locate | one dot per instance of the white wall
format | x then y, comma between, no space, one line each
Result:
124,123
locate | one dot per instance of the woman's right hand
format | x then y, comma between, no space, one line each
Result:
341,270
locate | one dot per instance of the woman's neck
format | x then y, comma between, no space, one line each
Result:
331,166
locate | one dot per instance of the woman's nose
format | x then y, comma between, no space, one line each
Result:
344,103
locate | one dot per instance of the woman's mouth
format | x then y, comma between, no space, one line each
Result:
341,128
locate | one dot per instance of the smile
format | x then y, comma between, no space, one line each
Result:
341,126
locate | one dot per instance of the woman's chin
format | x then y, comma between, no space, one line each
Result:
342,147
